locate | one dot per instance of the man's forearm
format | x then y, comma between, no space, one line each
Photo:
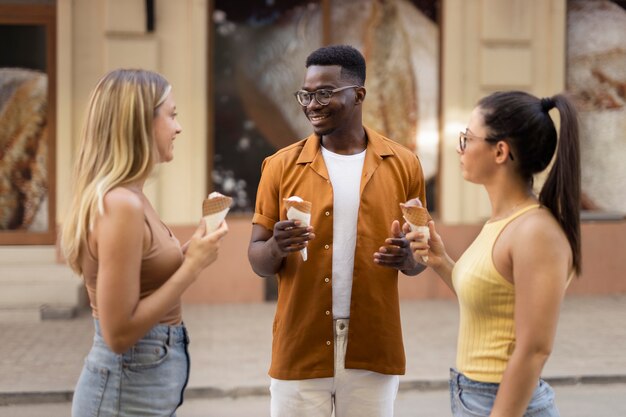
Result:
263,258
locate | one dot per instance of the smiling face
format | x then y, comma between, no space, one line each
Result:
344,109
165,128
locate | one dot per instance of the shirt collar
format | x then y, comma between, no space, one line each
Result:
375,144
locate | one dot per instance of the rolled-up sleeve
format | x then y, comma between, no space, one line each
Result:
267,210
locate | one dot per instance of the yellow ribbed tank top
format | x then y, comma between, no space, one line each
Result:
486,305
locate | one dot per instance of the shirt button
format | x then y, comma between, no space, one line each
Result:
327,313
328,343
326,246
326,279
328,213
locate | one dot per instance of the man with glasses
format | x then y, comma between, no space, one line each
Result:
337,340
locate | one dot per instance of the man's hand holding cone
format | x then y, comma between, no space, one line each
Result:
298,209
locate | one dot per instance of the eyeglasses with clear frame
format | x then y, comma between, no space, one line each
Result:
463,141
322,96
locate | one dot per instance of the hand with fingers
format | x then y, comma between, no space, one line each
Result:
290,236
432,250
202,248
396,252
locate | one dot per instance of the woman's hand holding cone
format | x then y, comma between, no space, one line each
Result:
429,251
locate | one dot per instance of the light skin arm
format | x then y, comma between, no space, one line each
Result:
268,248
540,272
434,249
119,235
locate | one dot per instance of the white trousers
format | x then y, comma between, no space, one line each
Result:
350,393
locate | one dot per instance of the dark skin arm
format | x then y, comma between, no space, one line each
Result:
268,248
396,252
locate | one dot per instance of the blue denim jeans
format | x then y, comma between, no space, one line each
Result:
469,398
147,380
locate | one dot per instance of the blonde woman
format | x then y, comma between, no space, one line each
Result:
511,280
134,268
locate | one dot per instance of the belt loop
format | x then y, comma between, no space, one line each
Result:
169,336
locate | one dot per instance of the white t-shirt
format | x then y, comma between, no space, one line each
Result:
345,176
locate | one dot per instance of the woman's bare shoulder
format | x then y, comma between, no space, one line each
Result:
123,216
122,197
122,201
541,228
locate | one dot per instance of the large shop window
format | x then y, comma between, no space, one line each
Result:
258,55
27,122
596,78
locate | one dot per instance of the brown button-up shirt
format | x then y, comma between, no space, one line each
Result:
303,342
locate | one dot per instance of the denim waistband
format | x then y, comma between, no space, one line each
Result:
457,379
170,334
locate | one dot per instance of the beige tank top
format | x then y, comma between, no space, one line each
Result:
158,263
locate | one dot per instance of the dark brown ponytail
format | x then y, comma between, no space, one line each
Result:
561,191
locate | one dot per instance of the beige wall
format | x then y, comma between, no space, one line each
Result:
97,36
490,45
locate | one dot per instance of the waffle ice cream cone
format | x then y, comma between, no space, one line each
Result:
417,217
298,209
214,210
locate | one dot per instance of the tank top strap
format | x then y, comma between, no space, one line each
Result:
148,223
518,213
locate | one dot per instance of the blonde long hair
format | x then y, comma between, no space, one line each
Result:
117,148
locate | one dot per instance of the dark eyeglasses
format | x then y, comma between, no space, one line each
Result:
463,141
322,96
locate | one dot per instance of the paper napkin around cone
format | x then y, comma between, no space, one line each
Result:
417,218
299,210
214,210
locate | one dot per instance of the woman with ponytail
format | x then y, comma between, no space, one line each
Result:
511,281
134,268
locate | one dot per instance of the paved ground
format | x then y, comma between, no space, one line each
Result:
596,400
40,361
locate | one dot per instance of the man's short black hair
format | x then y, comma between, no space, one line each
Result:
348,58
